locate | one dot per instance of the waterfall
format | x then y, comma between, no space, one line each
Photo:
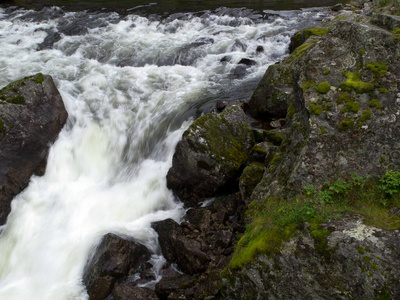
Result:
131,85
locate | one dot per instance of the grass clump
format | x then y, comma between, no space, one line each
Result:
275,219
308,85
315,109
323,88
274,137
366,115
353,107
346,124
353,82
344,98
379,69
375,103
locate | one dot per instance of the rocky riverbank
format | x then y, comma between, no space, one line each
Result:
293,195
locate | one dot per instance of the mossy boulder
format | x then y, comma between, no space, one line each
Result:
211,154
32,114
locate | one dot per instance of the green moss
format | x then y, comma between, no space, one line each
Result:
326,72
323,130
315,109
360,250
227,145
38,78
346,124
11,93
353,82
383,90
344,98
2,127
274,137
362,52
396,32
299,51
290,111
307,85
321,238
366,115
251,176
375,103
323,88
353,107
379,69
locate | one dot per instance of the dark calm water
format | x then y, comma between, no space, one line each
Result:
170,6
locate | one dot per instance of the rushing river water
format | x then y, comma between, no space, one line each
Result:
131,85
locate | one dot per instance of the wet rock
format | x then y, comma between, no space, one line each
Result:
210,154
128,292
260,49
225,59
52,38
176,283
181,248
114,258
32,114
247,62
337,7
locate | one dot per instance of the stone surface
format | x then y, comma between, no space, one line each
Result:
114,259
211,153
129,292
354,261
32,114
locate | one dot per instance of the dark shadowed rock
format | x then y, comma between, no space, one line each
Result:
211,153
114,258
174,283
247,62
178,247
129,292
32,114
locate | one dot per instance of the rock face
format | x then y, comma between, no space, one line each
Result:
341,94
211,153
115,258
200,246
332,108
351,260
32,114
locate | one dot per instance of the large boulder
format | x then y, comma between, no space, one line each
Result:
115,259
32,114
212,153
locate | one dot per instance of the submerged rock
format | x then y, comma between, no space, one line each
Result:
32,114
114,260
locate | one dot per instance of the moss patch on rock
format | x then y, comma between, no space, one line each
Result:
353,82
346,124
379,69
323,88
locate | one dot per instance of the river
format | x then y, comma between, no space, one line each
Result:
131,85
